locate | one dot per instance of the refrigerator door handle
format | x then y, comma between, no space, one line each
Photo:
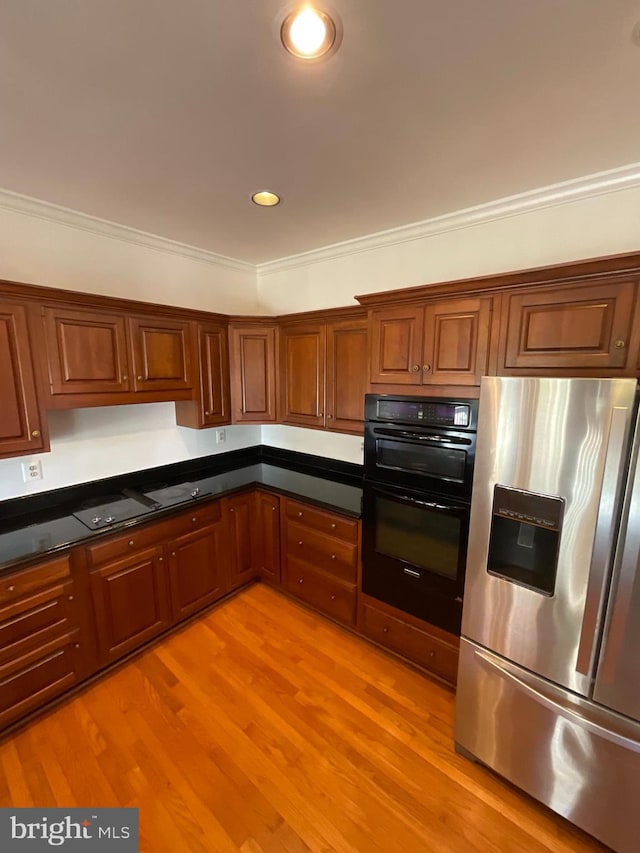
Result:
557,704
603,540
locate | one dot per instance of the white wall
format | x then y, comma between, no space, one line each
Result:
347,448
537,229
91,444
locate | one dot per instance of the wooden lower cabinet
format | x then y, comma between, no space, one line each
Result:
131,602
197,562
266,529
42,646
320,556
419,642
241,564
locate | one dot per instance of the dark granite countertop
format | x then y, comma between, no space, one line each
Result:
35,532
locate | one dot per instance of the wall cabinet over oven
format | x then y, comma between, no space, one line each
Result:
442,342
99,357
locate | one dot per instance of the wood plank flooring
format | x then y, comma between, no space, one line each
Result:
263,727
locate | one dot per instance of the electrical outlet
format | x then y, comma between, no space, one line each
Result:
221,436
32,470
362,445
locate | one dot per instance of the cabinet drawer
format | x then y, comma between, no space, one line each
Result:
195,517
126,543
326,522
321,591
17,584
413,643
35,619
37,676
323,552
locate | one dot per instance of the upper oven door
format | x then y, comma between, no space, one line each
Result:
440,461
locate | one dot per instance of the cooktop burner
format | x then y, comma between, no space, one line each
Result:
109,509
171,495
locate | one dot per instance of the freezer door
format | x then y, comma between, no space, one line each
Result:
576,757
556,449
618,677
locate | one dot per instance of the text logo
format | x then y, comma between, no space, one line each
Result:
33,830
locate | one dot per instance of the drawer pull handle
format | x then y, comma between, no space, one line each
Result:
300,514
11,588
333,556
160,559
385,630
300,580
333,526
432,654
70,598
76,645
333,596
131,543
299,541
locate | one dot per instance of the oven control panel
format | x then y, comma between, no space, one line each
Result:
441,413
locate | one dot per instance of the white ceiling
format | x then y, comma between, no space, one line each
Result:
165,116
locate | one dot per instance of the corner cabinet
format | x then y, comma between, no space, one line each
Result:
443,342
211,406
22,431
99,358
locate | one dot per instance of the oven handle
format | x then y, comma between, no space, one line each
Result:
429,504
445,439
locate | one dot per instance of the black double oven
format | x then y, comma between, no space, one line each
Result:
418,471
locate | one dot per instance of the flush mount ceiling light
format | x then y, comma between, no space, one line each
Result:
309,33
265,198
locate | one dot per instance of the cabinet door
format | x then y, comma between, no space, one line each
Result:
131,602
20,429
86,352
302,360
211,405
347,374
161,354
242,559
253,371
396,345
267,526
584,328
197,564
456,341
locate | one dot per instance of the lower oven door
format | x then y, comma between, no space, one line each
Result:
414,549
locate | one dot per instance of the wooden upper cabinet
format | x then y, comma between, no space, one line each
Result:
396,345
86,352
21,430
161,354
211,406
302,370
445,342
456,341
347,379
583,328
253,373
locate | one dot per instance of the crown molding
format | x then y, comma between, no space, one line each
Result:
601,183
29,206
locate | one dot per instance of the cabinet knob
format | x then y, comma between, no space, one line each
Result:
11,588
299,541
620,344
131,543
300,580
333,596
173,553
300,514
385,630
333,525
125,377
70,598
333,556
426,367
35,433
139,378
432,654
76,645
194,519
231,509
273,509
160,559
330,417
415,368
207,413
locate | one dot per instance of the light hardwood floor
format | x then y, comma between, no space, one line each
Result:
263,727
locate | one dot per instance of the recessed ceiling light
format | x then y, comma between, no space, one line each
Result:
265,198
308,33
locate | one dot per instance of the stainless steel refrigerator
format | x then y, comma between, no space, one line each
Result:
549,677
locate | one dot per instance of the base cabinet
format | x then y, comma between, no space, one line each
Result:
267,532
425,645
197,563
